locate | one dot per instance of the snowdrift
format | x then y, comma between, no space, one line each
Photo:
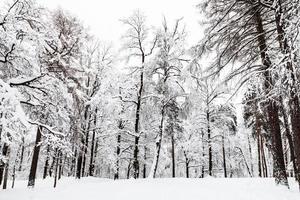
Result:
153,189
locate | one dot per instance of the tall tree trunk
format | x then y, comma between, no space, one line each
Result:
79,165
209,144
250,154
52,166
263,158
17,160
292,151
271,107
60,165
1,127
285,151
84,155
288,133
294,99
187,162
224,156
173,155
203,154
6,170
83,141
128,170
35,158
79,160
57,155
73,163
278,157
86,142
135,157
145,159
117,167
46,162
137,121
92,162
6,166
259,155
13,177
157,145
2,162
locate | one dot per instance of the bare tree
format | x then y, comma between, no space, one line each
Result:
137,42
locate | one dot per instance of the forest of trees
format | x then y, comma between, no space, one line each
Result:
75,106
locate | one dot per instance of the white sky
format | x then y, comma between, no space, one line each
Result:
102,17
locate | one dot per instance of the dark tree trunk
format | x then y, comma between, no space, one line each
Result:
224,157
60,165
86,143
1,128
84,157
135,158
271,108
17,160
79,165
203,154
52,166
259,150
35,158
145,165
209,145
292,151
6,172
158,145
288,134
145,159
264,162
173,155
187,162
285,151
92,164
86,127
56,167
79,168
128,170
2,163
13,177
278,157
137,122
187,169
295,119
116,176
46,163
294,100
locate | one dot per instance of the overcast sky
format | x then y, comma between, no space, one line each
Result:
102,17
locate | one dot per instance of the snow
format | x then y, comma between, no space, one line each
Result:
149,189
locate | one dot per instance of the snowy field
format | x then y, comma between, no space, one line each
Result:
153,189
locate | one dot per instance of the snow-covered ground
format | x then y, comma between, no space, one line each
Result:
153,189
